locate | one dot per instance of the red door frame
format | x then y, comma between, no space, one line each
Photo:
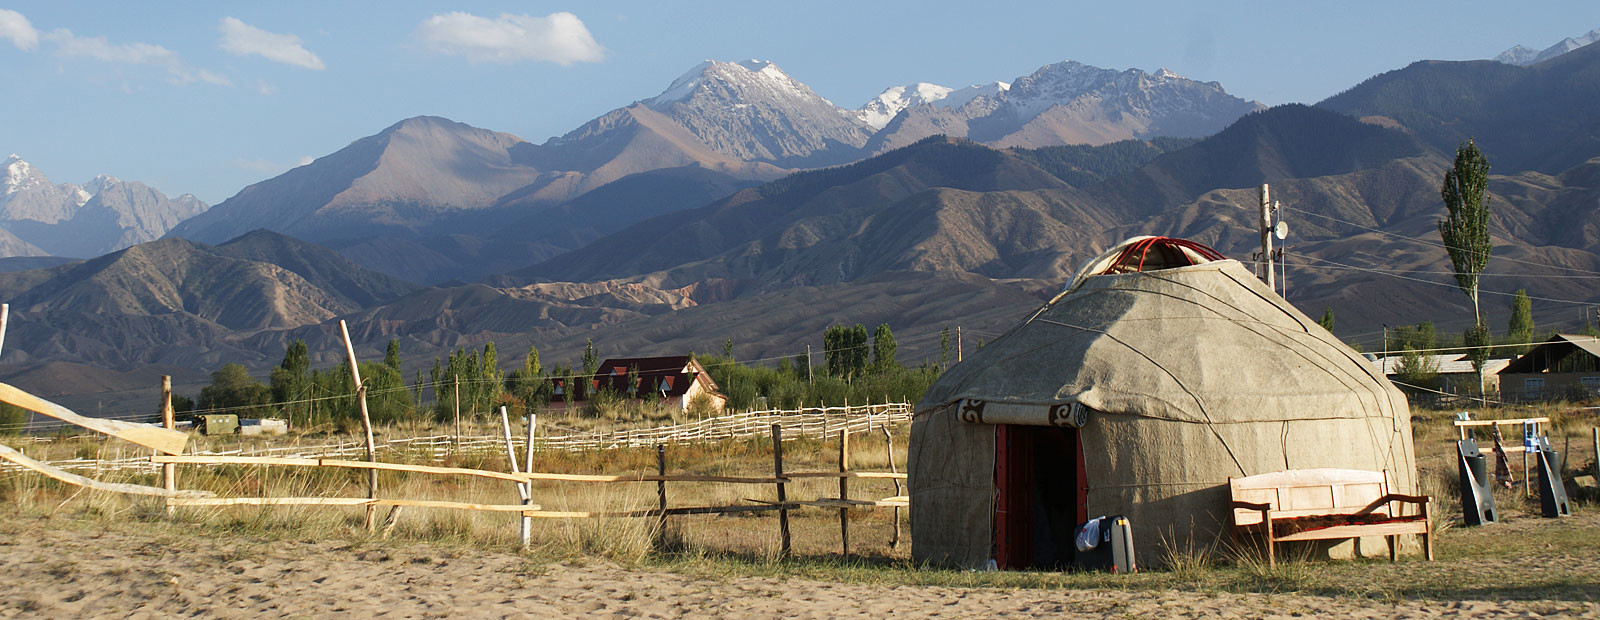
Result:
1015,446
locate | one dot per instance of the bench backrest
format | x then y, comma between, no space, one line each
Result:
1308,492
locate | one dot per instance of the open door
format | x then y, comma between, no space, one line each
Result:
1041,496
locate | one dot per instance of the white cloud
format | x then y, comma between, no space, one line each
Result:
560,38
241,39
69,45
305,159
264,88
17,29
259,165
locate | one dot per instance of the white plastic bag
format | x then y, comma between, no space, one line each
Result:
1089,534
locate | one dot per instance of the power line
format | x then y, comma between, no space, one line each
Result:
1452,273
1445,284
1437,245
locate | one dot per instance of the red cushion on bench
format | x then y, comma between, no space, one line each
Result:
1295,525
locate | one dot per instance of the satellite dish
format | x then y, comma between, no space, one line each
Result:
1281,231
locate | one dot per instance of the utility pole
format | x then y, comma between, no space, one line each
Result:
808,364
1266,266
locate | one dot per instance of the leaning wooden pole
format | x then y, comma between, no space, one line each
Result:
169,471
783,496
526,531
527,521
844,484
888,440
458,411
366,424
5,316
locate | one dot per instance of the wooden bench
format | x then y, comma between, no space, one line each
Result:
1326,504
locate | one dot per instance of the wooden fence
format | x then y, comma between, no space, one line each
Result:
840,422
780,479
805,422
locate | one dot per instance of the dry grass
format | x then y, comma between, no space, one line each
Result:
1523,557
626,540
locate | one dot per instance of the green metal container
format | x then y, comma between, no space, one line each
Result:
219,424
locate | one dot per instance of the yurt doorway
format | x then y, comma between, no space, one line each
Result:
1038,472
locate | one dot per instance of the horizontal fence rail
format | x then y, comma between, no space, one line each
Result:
805,422
822,422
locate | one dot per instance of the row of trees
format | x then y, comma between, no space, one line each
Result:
847,353
857,367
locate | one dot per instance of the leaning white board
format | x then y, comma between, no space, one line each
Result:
148,435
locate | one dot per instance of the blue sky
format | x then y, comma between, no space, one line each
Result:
206,98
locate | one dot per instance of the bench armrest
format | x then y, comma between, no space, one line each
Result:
1251,505
1413,499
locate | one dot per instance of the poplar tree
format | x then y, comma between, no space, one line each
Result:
591,365
291,379
1519,331
391,354
944,348
1466,229
883,348
1465,232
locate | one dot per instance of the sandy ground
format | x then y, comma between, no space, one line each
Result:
73,573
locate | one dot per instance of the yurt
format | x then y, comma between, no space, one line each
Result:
1162,370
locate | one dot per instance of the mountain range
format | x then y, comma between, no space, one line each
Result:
684,220
1523,56
41,218
400,201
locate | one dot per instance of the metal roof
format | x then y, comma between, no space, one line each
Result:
1582,342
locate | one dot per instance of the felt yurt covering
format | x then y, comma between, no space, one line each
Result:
1175,379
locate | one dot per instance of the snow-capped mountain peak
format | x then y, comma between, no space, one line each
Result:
1517,55
1052,84
960,97
1166,73
759,74
100,183
891,101
883,108
19,175
115,214
1523,56
752,110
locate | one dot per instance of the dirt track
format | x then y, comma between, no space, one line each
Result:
76,573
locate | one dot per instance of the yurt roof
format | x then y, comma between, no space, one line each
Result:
1204,343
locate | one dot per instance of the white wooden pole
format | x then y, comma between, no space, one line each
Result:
527,521
366,423
511,456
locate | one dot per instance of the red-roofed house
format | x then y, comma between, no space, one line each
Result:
675,379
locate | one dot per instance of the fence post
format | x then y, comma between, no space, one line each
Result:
783,496
661,493
844,485
458,411
366,424
169,471
522,487
527,521
888,441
